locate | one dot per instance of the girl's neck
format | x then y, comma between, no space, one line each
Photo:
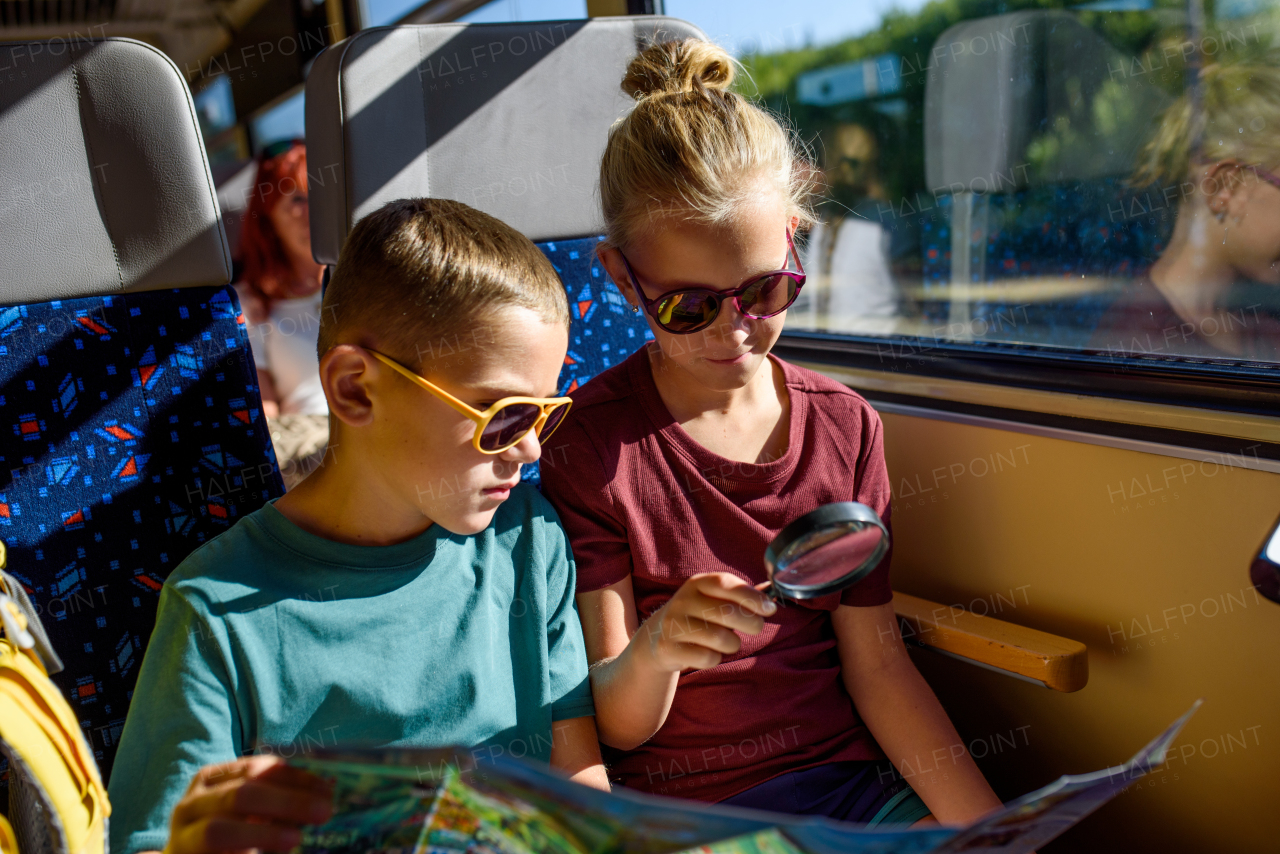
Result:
688,398
1194,273
748,424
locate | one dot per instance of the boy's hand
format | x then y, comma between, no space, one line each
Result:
695,629
258,802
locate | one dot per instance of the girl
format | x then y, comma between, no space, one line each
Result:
281,297
687,458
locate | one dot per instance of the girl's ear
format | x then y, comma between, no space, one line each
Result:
793,225
611,260
1222,180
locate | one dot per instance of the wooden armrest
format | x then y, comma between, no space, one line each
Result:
1056,662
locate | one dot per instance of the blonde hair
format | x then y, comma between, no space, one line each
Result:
1238,118
421,272
691,149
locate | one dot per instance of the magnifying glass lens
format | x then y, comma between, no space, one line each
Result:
827,555
826,550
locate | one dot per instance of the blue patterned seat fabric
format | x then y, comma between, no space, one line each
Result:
603,329
133,433
1086,228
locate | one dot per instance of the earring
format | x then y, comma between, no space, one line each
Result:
635,309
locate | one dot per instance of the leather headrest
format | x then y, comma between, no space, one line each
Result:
104,184
509,118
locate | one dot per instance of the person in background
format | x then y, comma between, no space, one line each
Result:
847,253
280,295
1223,158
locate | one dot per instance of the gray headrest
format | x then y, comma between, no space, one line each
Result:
998,84
104,185
509,118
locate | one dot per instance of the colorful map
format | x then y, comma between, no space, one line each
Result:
441,802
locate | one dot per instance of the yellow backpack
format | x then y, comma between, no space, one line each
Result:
57,803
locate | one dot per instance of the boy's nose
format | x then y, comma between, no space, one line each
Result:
524,452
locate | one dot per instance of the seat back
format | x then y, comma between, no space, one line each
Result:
134,426
511,119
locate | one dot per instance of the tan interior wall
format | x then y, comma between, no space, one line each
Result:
1145,559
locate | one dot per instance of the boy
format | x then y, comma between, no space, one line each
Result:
408,592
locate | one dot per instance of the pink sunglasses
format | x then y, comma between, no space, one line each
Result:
694,309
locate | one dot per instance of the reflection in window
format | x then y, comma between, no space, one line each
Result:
1213,159
851,287
1094,179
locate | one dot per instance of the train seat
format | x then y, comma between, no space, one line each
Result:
134,430
454,111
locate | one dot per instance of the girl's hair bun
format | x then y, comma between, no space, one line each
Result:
676,67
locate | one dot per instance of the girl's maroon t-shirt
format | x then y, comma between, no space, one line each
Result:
638,496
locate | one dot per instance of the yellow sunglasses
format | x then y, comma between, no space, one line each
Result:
503,424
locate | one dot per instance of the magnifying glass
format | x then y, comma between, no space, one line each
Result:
825,551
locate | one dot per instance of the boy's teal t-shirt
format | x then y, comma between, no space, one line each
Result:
268,637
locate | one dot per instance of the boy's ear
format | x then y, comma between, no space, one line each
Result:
347,373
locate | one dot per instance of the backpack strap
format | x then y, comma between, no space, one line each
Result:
13,588
8,842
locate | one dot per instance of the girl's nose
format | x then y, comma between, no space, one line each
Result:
732,327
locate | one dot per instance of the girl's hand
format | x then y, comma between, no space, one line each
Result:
695,629
258,802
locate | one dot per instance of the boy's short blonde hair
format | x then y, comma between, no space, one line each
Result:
423,273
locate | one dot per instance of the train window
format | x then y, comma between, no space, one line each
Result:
500,11
284,120
381,13
215,108
1098,181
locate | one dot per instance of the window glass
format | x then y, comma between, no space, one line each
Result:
1099,178
380,13
751,27
286,120
215,108
500,11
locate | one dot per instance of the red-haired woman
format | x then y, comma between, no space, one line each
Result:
280,294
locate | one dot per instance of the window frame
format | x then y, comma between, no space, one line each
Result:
1228,385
